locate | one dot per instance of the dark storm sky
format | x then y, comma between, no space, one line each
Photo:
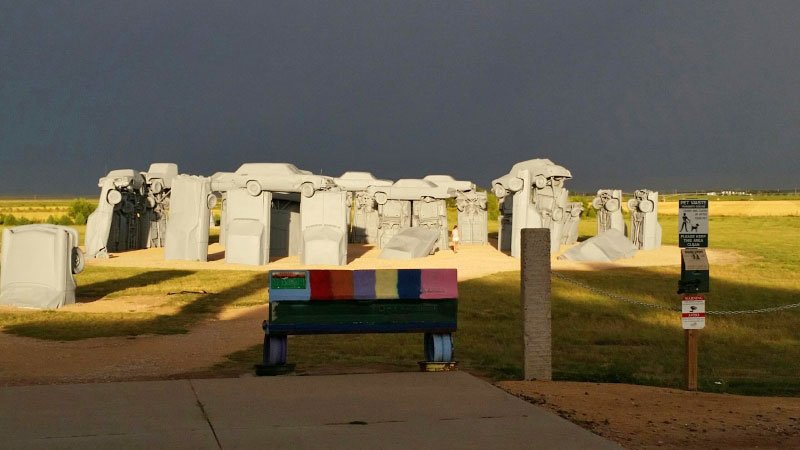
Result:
662,94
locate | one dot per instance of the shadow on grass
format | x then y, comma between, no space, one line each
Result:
63,326
97,290
598,339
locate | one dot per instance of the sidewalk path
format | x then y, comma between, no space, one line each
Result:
394,410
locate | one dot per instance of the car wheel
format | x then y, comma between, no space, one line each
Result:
499,190
307,190
515,184
77,260
612,205
156,186
381,198
211,201
539,181
113,197
253,188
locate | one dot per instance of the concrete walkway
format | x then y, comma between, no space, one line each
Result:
387,411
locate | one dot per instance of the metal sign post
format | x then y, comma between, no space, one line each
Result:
693,239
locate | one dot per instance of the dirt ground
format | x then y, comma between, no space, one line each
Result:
634,416
642,417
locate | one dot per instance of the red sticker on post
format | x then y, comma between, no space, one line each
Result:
693,312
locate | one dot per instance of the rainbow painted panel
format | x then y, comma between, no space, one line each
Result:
383,284
331,284
364,284
409,283
386,284
439,283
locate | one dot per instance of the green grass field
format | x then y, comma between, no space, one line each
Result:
595,338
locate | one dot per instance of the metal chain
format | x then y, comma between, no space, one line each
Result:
613,296
754,311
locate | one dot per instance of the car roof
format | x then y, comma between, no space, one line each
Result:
268,168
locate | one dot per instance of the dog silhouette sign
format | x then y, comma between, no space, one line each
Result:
693,223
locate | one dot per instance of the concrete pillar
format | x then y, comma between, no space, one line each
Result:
535,294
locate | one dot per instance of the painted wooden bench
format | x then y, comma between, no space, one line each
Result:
361,301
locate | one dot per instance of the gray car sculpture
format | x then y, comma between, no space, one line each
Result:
279,177
471,206
645,229
190,209
268,224
412,203
158,180
608,204
323,221
539,199
38,266
119,223
411,189
572,221
364,209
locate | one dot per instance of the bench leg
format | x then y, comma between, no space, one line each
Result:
447,347
438,347
275,350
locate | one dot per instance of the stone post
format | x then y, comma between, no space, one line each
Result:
535,294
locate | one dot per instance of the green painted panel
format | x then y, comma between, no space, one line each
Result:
288,280
364,312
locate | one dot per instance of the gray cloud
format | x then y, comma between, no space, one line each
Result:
666,95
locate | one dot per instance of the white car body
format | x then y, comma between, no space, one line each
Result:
124,179
541,170
359,181
222,182
410,189
448,181
159,176
279,177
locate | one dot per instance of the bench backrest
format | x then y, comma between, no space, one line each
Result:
380,284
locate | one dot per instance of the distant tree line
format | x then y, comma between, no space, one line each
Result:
78,214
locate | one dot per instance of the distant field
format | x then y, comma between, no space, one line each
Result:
744,208
37,210
38,203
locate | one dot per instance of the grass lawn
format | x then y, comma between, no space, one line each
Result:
603,340
594,338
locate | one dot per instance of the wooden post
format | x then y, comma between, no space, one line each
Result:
535,293
691,337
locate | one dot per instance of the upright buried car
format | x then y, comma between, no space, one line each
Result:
118,223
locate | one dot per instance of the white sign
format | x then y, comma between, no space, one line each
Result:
693,312
692,223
